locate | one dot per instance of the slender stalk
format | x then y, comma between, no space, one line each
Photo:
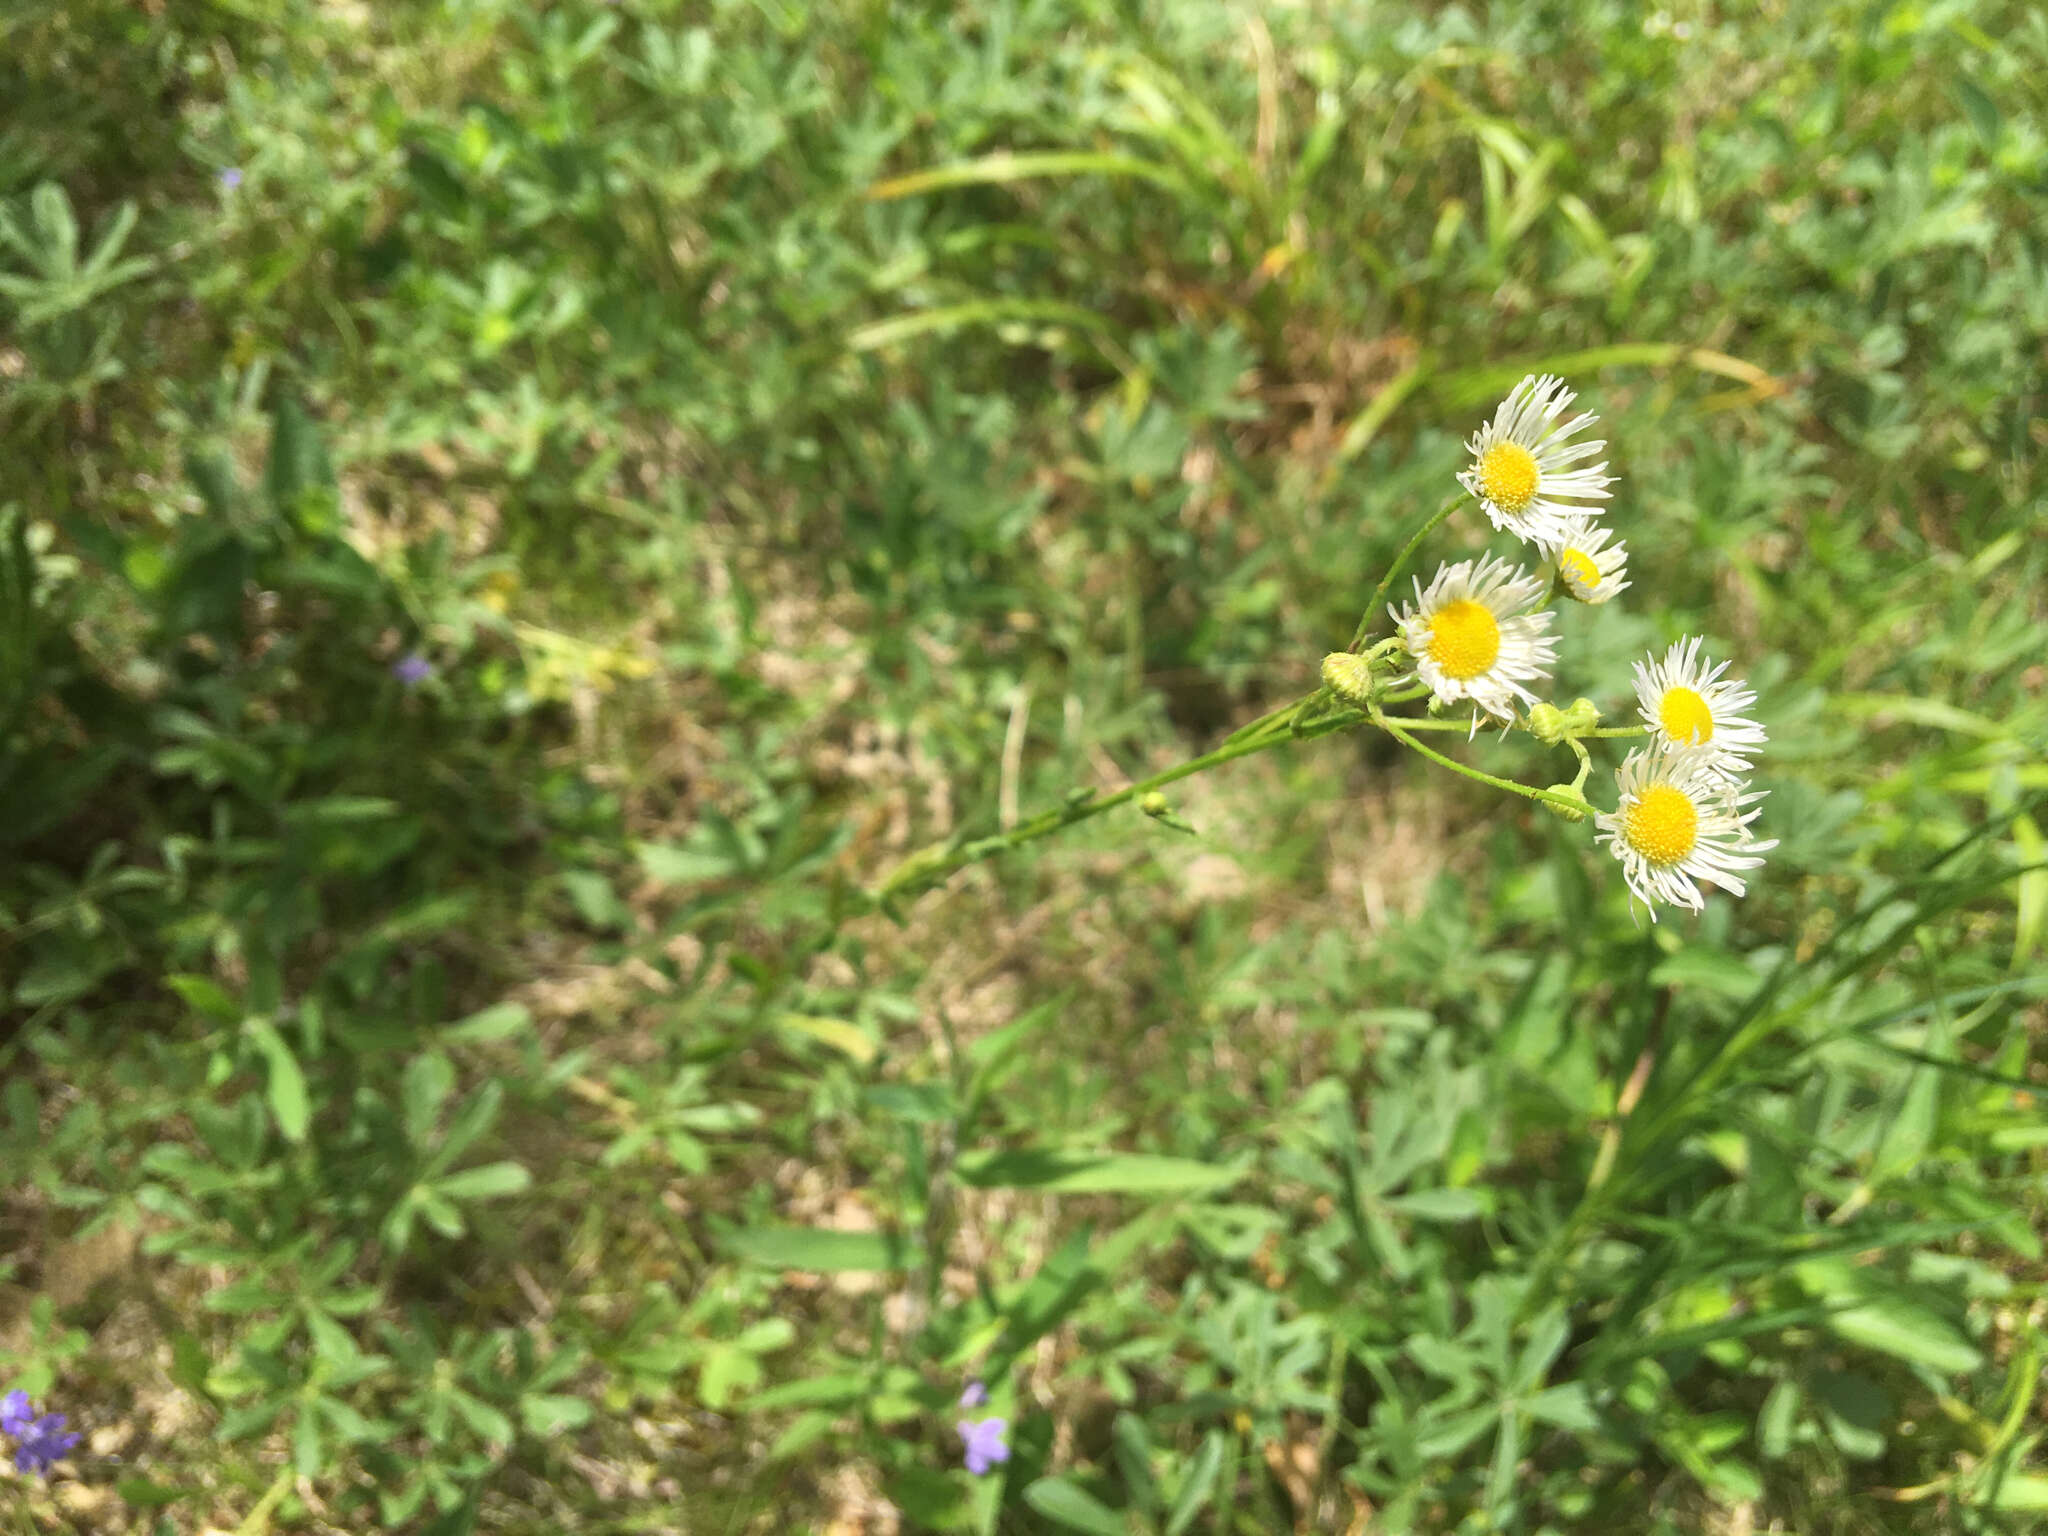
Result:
1411,723
1272,719
1400,564
1543,795
930,866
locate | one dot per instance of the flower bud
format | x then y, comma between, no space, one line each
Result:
1547,724
1569,792
1349,677
1583,716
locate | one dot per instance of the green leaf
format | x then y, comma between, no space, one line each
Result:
1775,1424
814,1248
817,1391
1129,1173
672,864
724,1372
496,1022
1196,1483
844,1036
141,1493
2023,1491
1068,1505
489,1423
429,1079
1134,1460
1907,1331
1854,1410
1007,166
766,1336
1710,970
289,1103
1979,108
548,1413
1568,1407
1438,1204
205,996
489,1182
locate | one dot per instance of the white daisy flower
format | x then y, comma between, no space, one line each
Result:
1684,701
1522,464
1593,569
1473,635
1680,822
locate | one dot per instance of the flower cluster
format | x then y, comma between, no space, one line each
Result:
982,1439
39,1442
1478,633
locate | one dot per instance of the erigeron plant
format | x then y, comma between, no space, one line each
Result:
1475,645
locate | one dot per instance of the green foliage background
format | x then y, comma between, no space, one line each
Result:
796,434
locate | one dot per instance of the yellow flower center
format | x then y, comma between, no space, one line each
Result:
1578,568
1464,638
1508,476
1662,825
1685,716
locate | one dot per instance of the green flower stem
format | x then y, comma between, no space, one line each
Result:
1606,732
1272,720
1400,564
928,867
1408,723
1543,795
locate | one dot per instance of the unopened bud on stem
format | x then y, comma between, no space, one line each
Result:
1349,677
1569,792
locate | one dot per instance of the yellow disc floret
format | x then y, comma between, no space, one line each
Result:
1662,825
1464,638
1508,476
1578,567
1685,716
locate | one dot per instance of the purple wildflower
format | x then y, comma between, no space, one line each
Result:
984,1443
412,669
230,178
39,1443
976,1396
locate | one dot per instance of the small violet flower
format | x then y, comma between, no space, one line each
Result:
983,1438
412,669
39,1443
230,178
